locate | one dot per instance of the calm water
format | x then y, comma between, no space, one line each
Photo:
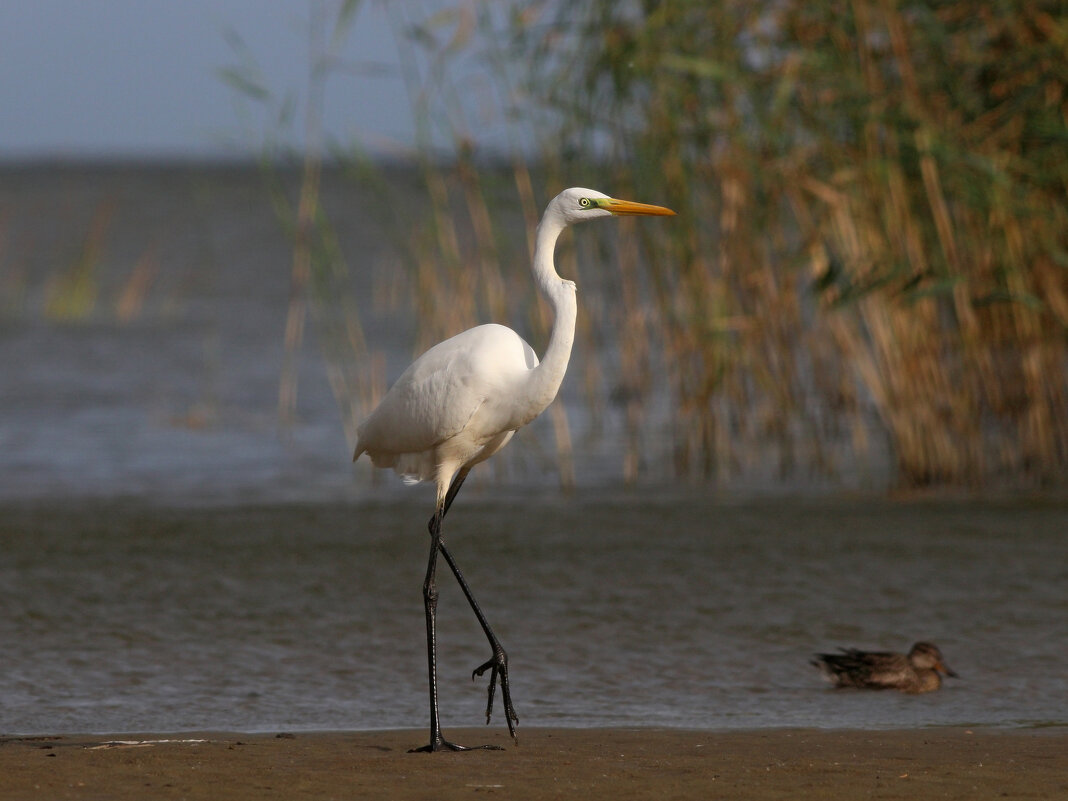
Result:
616,610
170,559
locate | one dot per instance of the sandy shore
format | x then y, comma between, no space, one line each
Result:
548,763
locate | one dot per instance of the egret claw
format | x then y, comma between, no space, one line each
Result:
445,745
498,667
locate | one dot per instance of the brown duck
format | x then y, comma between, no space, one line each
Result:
919,671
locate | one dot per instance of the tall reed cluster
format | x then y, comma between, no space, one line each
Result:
873,221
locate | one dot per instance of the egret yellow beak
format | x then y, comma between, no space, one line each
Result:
628,207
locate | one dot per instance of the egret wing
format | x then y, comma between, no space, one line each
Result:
438,395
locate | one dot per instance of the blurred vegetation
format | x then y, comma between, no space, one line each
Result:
873,208
872,248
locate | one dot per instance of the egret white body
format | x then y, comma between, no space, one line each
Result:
462,400
456,406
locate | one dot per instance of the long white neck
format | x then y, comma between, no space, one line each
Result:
545,379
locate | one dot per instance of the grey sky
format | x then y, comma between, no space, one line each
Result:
138,78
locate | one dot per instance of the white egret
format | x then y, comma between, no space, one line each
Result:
462,400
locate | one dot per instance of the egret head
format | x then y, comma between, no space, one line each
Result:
578,204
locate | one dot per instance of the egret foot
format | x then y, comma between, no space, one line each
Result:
498,667
439,744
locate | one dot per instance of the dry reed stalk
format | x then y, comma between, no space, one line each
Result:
525,189
490,283
317,263
635,344
307,214
438,274
131,299
304,230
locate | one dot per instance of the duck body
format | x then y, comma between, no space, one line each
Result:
918,671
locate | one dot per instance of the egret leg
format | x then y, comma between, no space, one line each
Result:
497,664
454,487
430,603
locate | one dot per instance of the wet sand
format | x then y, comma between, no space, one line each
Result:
549,763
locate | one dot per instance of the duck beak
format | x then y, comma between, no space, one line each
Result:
629,208
947,670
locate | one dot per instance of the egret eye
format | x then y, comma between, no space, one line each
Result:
585,202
